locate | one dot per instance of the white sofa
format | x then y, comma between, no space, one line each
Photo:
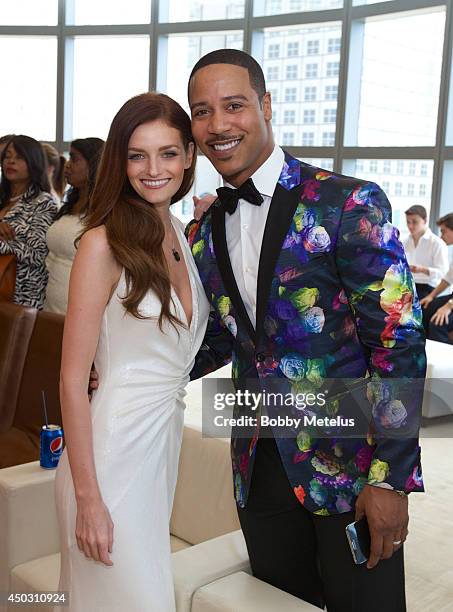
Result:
206,543
438,396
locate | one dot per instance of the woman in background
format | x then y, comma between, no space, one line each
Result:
55,171
80,172
27,209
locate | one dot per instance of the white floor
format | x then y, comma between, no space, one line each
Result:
429,548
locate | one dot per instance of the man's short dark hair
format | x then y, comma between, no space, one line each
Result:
446,220
417,209
234,57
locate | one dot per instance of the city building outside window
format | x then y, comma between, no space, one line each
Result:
410,189
412,168
328,139
400,167
312,47
373,166
330,115
387,168
398,188
291,71
273,51
422,190
273,73
423,170
333,69
293,49
308,139
291,94
309,94
288,139
309,116
311,71
333,45
289,117
331,92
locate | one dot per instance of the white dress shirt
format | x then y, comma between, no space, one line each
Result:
245,229
431,252
448,277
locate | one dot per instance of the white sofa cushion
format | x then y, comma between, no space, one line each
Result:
244,593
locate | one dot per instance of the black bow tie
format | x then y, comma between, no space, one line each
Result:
247,191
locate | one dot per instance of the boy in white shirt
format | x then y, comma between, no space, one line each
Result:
438,310
426,253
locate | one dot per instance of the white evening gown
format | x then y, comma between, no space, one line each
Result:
137,415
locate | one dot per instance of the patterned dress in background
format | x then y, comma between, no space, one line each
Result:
30,218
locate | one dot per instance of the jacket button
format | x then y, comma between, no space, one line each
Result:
260,357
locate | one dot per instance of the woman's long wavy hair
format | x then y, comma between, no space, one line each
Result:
134,229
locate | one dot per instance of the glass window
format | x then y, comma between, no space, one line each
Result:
328,139
29,12
273,73
309,116
399,59
356,2
424,169
400,188
330,115
333,45
312,47
104,78
207,179
331,92
387,167
180,52
198,10
309,94
273,51
327,164
29,69
273,7
308,139
109,12
412,168
288,139
400,167
274,94
333,69
311,71
291,72
289,117
291,94
293,49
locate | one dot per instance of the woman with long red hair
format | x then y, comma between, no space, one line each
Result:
138,309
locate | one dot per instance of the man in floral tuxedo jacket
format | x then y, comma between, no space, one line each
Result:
308,281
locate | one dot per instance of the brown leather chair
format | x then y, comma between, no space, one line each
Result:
7,277
41,371
16,327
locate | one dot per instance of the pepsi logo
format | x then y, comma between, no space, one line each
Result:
56,445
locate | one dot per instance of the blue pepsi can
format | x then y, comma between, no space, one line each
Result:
51,446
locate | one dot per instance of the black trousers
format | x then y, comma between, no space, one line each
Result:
437,332
423,290
308,555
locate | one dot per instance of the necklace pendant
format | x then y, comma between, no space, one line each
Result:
176,254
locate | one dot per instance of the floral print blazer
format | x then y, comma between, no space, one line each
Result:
335,300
